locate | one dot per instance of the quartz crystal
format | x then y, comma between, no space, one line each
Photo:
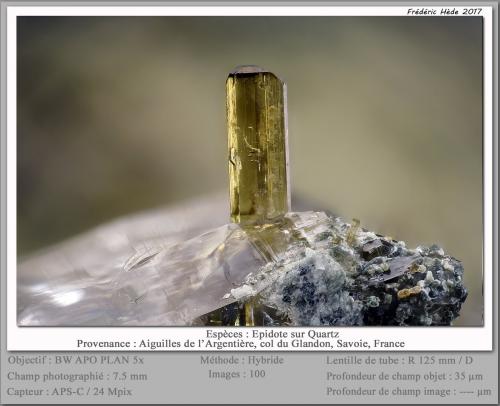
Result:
322,276
155,283
129,273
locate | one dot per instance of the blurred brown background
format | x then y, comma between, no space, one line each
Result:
122,114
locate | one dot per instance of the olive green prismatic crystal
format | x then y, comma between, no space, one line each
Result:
258,176
257,141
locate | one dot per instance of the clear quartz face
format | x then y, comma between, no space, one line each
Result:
168,280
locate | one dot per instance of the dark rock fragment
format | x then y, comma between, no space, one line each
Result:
376,248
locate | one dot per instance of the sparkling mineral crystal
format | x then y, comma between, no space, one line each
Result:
158,281
268,267
258,160
257,143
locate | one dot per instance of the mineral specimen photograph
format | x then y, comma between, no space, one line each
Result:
249,171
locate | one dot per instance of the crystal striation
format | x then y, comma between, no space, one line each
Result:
257,144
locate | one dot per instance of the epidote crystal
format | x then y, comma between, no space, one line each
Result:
257,143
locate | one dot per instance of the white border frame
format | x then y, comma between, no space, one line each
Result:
415,339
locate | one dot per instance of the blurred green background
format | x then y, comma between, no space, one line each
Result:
123,114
